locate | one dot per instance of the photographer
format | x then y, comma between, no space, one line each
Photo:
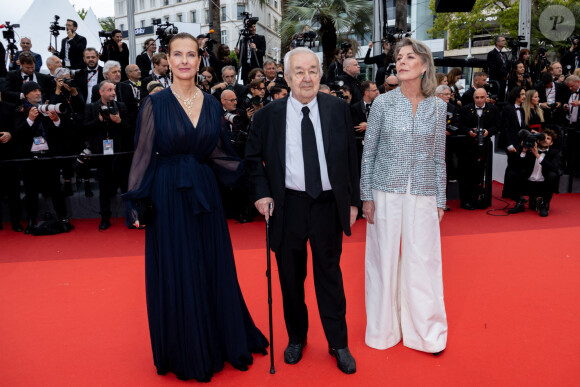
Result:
499,66
229,83
556,71
37,137
159,74
382,60
359,112
72,47
26,45
336,68
69,96
90,76
207,79
208,58
351,71
540,64
115,49
573,105
105,123
15,79
480,121
254,51
144,60
520,78
571,59
537,172
254,100
452,142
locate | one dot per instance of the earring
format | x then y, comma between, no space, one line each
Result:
422,74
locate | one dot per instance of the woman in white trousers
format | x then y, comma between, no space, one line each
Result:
403,183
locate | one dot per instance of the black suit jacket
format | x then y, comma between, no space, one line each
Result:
239,90
260,42
98,130
144,64
562,92
467,96
266,158
144,83
498,68
13,86
124,94
75,52
489,119
354,86
510,126
550,164
81,81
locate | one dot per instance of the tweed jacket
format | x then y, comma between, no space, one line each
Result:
399,148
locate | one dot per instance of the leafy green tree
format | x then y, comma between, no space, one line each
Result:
329,18
108,23
82,12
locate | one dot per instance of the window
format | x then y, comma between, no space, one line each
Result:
207,16
276,24
179,17
179,1
193,16
165,2
269,20
224,14
142,23
241,8
224,36
122,27
153,3
276,4
141,5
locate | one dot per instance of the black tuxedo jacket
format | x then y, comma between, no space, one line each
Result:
144,83
354,86
489,119
260,42
498,68
551,163
98,130
81,81
13,86
562,92
467,96
144,63
239,90
75,52
358,112
266,158
510,126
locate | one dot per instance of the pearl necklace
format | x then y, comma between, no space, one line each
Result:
187,102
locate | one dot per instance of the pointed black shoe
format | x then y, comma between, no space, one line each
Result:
17,227
544,208
293,353
105,224
30,228
344,360
519,207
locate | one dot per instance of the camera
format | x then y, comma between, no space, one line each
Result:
480,132
108,110
542,51
9,33
256,101
393,35
55,27
248,22
344,46
105,34
530,139
335,86
517,42
280,80
575,41
553,105
83,156
208,43
492,89
232,118
58,108
305,39
164,32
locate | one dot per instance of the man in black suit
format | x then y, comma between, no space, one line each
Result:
512,121
144,60
253,52
359,112
305,180
475,160
109,135
536,174
134,81
553,96
15,79
71,47
159,74
229,83
90,76
115,49
479,80
499,66
351,71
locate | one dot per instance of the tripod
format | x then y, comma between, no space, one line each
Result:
243,41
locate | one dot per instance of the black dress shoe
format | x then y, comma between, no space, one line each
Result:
105,224
30,228
293,353
519,207
17,227
544,208
344,360
467,206
438,353
66,225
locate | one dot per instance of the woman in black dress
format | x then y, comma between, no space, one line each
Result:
197,315
533,113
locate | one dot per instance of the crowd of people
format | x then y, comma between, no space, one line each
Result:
104,101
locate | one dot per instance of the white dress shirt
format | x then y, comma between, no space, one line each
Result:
537,172
294,156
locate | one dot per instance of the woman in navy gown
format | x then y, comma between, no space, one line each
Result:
197,315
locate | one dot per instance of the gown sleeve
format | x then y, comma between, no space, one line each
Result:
143,165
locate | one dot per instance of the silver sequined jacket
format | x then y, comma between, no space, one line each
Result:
398,147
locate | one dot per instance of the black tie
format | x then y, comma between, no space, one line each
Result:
368,109
310,155
27,78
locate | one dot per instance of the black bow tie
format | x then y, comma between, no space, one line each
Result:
89,71
542,151
478,108
27,77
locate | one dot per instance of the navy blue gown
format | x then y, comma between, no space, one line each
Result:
197,315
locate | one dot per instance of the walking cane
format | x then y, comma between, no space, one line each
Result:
269,275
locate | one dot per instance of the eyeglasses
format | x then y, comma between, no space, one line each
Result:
259,88
231,100
391,85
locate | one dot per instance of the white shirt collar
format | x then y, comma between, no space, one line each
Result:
297,105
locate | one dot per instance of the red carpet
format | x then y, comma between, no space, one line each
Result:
73,308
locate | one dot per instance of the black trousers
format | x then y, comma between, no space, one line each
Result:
112,173
43,176
317,221
10,188
519,185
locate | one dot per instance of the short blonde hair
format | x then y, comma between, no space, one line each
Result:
429,81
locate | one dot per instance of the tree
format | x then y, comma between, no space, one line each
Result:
331,18
216,22
401,15
82,12
107,23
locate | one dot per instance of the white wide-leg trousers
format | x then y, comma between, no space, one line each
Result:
403,274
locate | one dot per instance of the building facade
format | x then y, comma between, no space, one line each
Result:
197,12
